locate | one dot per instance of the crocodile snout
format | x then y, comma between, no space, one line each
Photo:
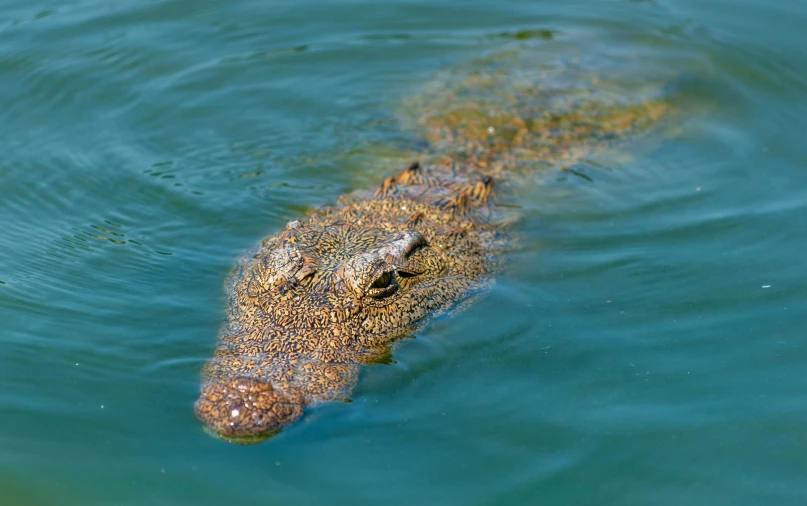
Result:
246,411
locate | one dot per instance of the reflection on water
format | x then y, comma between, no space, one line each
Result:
643,346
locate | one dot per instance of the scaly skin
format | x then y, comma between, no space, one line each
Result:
330,293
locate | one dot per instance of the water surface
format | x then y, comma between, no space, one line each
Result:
644,346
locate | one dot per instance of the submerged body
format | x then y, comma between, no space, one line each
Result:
332,292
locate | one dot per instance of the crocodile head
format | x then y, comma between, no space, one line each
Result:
318,300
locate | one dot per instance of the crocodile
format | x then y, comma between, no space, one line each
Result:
336,289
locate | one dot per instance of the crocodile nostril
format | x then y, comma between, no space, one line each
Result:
245,409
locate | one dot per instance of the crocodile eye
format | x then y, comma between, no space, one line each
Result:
384,281
383,285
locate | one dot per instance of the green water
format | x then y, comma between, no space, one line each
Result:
645,345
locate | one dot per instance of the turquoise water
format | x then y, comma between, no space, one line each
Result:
644,346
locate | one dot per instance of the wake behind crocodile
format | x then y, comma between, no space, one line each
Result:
334,290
